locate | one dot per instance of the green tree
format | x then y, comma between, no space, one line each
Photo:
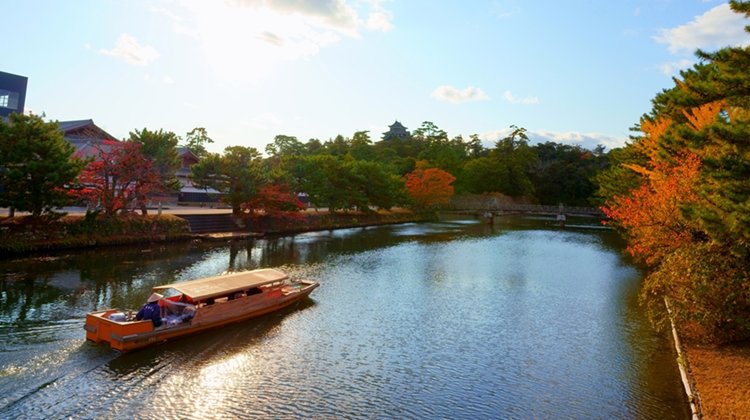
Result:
339,146
565,173
375,185
474,147
321,177
485,175
506,170
161,147
616,179
428,132
236,174
285,146
519,158
448,155
341,184
314,147
196,141
361,146
37,165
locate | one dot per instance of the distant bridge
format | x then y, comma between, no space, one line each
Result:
490,207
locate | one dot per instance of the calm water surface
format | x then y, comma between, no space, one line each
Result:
443,320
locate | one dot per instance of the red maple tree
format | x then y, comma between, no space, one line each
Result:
276,202
117,177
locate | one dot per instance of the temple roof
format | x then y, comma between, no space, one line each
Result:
84,135
396,130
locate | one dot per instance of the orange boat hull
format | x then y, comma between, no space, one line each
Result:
131,335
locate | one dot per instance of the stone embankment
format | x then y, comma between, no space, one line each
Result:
23,234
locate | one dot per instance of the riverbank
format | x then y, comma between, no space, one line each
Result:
722,378
313,220
24,235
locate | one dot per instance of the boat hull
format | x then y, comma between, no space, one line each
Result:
131,335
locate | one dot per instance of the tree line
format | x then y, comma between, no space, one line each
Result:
357,172
40,171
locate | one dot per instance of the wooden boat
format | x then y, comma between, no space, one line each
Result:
198,305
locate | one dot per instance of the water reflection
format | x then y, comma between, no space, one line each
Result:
452,319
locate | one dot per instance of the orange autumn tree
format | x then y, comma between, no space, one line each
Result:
651,214
429,186
704,280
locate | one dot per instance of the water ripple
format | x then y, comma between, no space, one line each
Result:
456,321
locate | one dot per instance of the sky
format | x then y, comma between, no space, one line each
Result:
569,71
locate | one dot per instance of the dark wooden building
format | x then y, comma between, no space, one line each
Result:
396,131
12,94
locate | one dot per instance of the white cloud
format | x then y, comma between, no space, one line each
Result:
244,40
717,28
129,49
455,95
379,19
334,14
672,68
529,100
167,80
586,140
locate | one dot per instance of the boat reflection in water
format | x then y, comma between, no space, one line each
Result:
197,305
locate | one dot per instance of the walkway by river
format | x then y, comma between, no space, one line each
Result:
166,210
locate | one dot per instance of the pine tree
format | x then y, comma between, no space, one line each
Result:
36,165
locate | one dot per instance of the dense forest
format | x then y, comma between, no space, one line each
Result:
359,172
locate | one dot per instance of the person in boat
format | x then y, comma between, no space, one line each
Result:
188,313
151,310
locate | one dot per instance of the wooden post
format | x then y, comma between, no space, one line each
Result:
561,215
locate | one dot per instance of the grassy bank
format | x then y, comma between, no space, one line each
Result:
19,235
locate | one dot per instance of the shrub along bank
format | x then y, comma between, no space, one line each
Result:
19,235
27,233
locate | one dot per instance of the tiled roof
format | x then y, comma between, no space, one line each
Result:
91,130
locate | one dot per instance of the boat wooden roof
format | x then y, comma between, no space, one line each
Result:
224,284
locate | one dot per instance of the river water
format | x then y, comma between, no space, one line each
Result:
455,319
